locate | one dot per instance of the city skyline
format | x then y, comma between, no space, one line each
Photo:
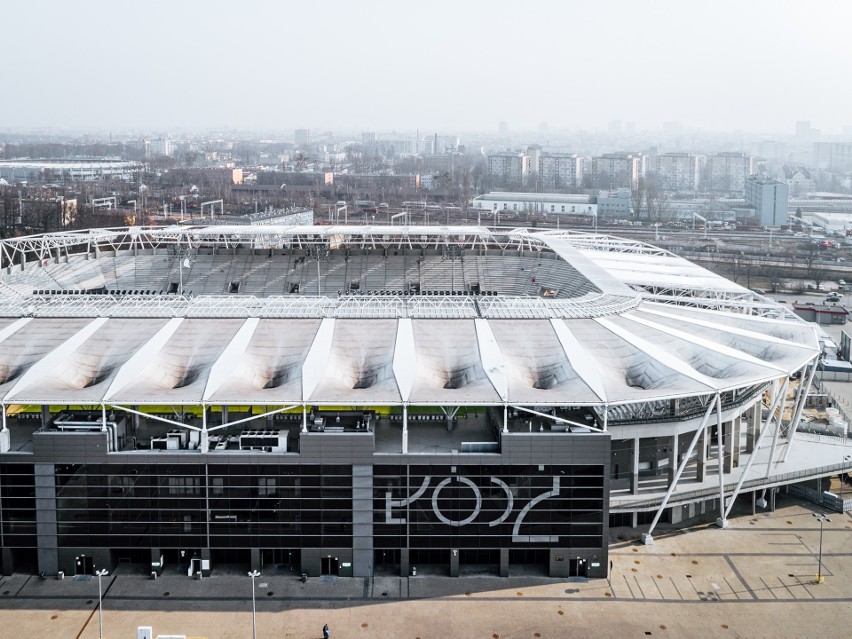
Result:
462,67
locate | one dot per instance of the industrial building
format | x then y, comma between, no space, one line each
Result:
359,401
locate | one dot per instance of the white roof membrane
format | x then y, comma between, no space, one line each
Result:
269,369
178,373
83,374
360,364
537,369
449,367
29,344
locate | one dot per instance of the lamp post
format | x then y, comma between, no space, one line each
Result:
100,573
822,519
253,574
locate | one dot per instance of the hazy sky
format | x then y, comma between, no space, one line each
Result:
440,65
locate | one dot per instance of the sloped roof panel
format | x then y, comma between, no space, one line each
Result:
627,372
360,366
538,369
82,376
449,367
785,354
31,342
270,368
178,373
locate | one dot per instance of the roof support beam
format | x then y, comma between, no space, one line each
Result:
778,424
763,431
253,417
804,391
647,537
155,417
555,418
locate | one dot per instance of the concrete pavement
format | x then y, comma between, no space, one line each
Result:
755,579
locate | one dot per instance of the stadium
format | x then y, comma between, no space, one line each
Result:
358,401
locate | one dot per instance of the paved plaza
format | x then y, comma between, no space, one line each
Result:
755,579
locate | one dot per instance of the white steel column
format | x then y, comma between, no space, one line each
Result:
405,429
304,418
205,435
634,472
5,435
778,425
803,398
647,538
721,522
505,418
103,417
764,429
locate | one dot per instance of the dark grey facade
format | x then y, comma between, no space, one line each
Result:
335,507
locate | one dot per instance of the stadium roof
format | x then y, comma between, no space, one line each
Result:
652,327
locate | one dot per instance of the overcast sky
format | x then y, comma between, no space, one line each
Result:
450,66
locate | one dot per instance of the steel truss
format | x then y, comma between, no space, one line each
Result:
17,252
61,243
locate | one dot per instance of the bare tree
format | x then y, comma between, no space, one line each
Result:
636,197
656,199
814,269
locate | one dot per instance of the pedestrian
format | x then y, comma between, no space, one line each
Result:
325,633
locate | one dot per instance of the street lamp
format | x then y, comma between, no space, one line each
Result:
822,518
100,573
253,574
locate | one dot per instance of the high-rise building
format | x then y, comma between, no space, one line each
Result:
677,171
834,156
302,136
508,169
160,147
560,171
769,199
618,170
727,171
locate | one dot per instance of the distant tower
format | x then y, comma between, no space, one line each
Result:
302,136
504,127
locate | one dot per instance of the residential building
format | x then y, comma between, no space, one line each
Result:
769,199
618,170
834,156
677,171
302,137
508,169
727,171
560,171
798,179
161,147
